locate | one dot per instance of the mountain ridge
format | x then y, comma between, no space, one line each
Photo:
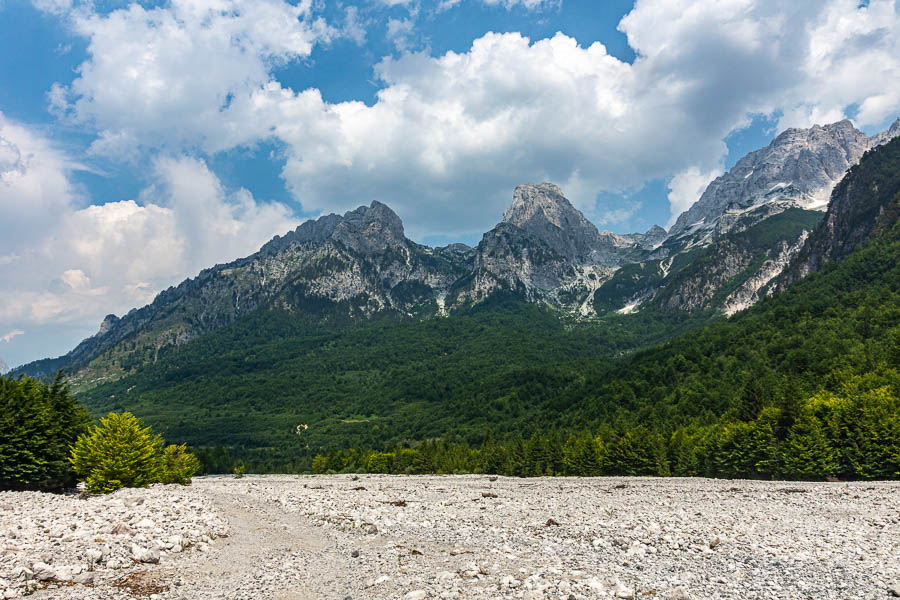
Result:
799,168
728,399
347,268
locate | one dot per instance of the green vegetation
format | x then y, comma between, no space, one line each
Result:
248,386
121,452
854,436
38,422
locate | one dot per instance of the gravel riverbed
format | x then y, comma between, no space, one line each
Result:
411,538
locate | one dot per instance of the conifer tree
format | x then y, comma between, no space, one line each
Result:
120,452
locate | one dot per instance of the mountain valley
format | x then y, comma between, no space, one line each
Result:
371,340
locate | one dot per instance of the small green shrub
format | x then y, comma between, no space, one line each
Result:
121,452
179,465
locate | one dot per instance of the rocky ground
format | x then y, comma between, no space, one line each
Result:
285,537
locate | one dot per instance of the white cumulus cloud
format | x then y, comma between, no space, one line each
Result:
76,262
686,187
449,136
166,76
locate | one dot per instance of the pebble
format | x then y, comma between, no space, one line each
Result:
67,542
674,539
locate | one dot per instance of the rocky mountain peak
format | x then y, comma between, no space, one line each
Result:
894,130
544,201
799,168
364,229
653,237
109,321
544,212
886,136
370,228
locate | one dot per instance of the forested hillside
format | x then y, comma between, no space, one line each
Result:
250,385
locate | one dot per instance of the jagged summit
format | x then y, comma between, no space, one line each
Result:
109,321
363,229
544,212
799,168
886,136
545,199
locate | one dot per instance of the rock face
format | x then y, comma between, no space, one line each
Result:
3,367
543,212
349,266
798,169
867,200
546,250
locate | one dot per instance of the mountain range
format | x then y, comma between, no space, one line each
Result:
722,254
810,371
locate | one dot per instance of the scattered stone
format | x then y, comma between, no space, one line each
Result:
84,578
416,595
488,495
369,528
145,555
122,529
43,571
93,556
622,591
661,539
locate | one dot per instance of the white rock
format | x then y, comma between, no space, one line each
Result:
622,591
416,595
43,572
84,578
144,555
64,574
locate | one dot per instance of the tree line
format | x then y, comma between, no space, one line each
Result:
848,436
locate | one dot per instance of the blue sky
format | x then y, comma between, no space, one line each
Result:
141,142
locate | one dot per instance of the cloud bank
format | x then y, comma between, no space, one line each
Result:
449,136
66,261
